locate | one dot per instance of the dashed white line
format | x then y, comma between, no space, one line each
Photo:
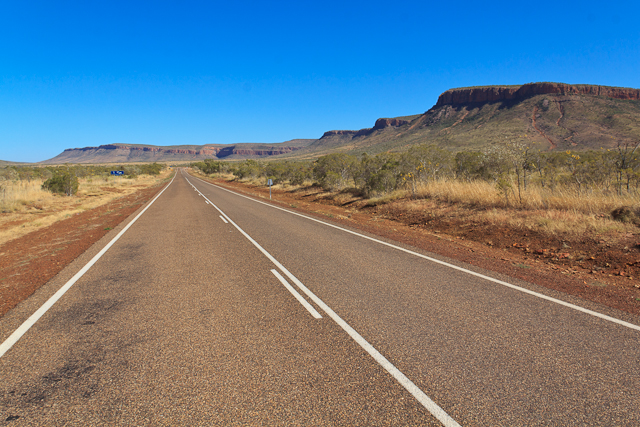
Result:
415,391
224,220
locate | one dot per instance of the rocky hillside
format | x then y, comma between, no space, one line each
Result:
121,153
550,116
464,96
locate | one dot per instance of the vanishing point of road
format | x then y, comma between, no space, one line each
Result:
212,308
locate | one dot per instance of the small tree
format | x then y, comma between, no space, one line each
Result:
625,162
379,174
469,165
427,162
333,171
62,182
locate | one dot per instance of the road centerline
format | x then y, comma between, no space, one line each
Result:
297,295
413,389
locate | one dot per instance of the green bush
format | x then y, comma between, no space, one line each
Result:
209,166
249,169
334,171
152,169
62,182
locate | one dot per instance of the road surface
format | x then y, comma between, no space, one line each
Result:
213,308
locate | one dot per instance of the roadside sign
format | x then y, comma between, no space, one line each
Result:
117,172
270,182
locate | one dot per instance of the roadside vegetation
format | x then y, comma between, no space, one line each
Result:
35,197
594,192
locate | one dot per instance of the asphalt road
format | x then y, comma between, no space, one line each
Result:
189,319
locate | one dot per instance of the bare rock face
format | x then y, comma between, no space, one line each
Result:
475,95
385,123
338,133
380,124
263,152
119,153
507,93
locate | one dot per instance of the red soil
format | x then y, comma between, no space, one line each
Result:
30,261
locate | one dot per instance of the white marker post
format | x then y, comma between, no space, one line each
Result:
270,182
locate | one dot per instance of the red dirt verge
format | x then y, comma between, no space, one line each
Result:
30,261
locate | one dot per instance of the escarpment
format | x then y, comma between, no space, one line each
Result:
542,116
114,153
545,116
380,124
474,95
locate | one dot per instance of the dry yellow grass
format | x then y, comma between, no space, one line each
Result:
486,195
561,211
258,182
25,207
558,211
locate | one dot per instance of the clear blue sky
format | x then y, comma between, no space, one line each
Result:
86,73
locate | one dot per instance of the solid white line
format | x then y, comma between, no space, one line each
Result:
295,293
224,220
15,336
415,391
446,264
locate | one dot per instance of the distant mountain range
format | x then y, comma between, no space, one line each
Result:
123,153
7,163
550,116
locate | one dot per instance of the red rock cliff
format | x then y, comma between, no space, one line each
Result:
205,151
384,123
380,124
338,132
506,93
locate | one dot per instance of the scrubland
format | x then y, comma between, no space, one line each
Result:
594,194
561,211
25,206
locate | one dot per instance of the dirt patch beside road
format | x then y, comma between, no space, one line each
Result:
595,269
30,261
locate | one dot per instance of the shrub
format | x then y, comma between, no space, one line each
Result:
62,182
333,171
378,175
209,166
249,169
152,169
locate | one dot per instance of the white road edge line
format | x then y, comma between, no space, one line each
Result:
415,391
295,293
437,261
223,220
18,333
